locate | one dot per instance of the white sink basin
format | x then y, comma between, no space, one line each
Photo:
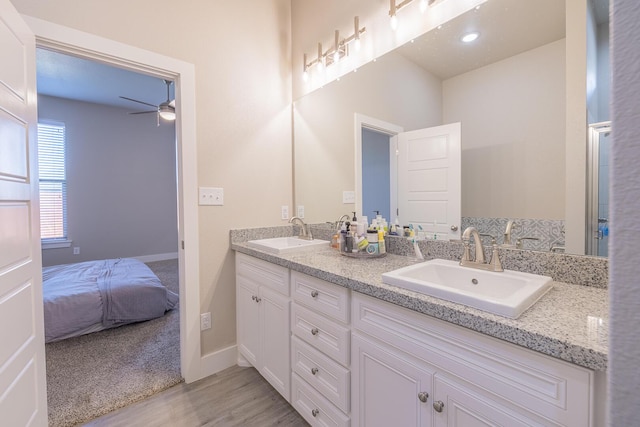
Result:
507,293
285,245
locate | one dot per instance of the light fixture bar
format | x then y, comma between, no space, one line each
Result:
339,50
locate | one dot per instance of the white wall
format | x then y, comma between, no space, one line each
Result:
121,182
241,53
624,344
325,126
513,133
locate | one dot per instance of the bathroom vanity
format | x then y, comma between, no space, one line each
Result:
346,349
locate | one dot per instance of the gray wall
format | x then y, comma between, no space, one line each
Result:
624,286
121,182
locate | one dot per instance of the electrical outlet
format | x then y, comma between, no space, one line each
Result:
300,212
285,212
76,250
205,321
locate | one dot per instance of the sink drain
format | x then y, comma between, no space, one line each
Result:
474,281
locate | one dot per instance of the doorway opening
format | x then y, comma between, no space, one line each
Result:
76,43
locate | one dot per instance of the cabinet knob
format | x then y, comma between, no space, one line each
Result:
314,331
315,412
423,396
314,371
454,228
438,405
314,294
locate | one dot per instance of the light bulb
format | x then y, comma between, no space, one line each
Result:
357,44
394,22
469,37
305,76
336,56
423,6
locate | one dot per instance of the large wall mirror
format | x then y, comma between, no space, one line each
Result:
508,91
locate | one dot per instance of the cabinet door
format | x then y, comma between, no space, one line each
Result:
459,406
274,363
388,389
248,320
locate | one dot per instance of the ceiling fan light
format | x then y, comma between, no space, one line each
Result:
166,112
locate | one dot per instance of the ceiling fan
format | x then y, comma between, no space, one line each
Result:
166,110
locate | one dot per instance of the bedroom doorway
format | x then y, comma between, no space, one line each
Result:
54,37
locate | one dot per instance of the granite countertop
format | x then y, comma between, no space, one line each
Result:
569,323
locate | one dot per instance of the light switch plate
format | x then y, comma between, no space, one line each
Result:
348,197
284,212
211,196
300,212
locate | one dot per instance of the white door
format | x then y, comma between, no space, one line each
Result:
387,388
23,394
275,354
429,180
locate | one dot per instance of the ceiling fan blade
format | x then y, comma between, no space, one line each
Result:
139,102
144,112
172,103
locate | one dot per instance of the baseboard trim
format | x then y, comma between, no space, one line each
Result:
157,257
218,361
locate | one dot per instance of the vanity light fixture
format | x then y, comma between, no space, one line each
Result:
339,50
394,8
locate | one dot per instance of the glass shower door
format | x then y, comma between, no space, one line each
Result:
598,224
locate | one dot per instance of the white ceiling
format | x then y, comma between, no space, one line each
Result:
70,77
505,28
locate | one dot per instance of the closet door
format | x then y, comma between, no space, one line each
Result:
23,395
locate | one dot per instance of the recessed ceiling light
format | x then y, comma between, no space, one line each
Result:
469,37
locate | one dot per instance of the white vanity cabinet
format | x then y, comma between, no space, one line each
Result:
263,308
422,371
320,351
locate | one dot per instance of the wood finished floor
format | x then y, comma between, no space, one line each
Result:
234,397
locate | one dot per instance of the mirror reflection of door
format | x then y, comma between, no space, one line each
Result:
598,193
427,165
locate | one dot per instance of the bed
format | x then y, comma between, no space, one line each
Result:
95,295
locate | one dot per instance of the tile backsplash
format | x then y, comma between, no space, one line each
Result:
549,232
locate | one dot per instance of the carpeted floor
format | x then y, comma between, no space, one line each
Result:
94,374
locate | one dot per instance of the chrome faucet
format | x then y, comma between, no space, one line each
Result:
305,233
493,265
507,232
343,218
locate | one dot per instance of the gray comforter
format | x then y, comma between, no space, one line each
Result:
95,295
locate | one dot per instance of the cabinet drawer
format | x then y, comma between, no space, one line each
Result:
324,374
317,410
274,276
520,376
323,297
327,336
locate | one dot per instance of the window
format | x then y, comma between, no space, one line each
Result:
53,184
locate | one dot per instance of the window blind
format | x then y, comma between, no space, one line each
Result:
53,185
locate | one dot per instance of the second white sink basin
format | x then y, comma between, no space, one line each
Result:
507,293
285,245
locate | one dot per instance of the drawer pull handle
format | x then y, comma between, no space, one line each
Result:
314,294
258,299
253,297
314,371
438,405
314,331
315,412
423,396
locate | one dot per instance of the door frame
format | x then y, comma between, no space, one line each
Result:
77,43
361,121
